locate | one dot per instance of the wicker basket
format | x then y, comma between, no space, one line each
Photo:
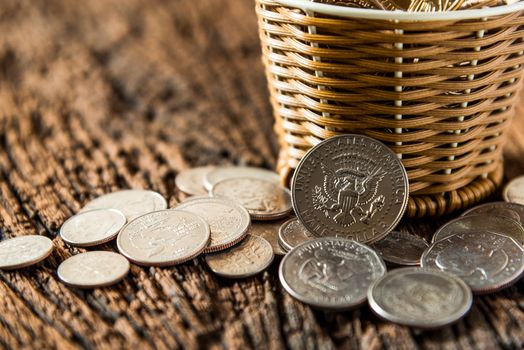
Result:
439,89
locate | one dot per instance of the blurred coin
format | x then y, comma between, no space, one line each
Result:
486,261
292,233
476,223
228,221
420,297
190,198
231,172
330,273
253,255
269,231
510,210
350,186
263,199
132,203
93,269
401,248
163,238
191,181
514,191
92,227
24,251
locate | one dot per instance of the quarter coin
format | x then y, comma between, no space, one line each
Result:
510,210
230,172
330,273
401,248
24,251
292,233
253,255
132,203
476,223
420,297
350,186
263,199
269,231
163,238
191,181
93,269
514,191
486,261
92,227
228,221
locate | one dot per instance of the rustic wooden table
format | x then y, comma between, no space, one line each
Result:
97,96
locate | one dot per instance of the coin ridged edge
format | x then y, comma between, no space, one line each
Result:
253,273
385,315
344,307
168,263
403,171
227,244
93,243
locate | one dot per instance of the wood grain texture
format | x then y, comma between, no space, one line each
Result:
101,95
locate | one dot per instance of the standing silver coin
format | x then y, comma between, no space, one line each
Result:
509,210
132,203
330,273
292,233
486,261
163,238
269,231
263,199
228,221
191,181
514,191
420,297
24,251
401,248
253,255
93,269
350,186
231,172
476,223
92,227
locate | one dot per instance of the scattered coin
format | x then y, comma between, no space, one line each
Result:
24,251
132,203
163,238
292,233
263,199
514,191
269,231
420,297
232,172
191,181
93,269
350,186
330,273
253,255
476,223
92,227
228,221
486,261
509,210
401,248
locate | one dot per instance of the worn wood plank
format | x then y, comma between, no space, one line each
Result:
103,95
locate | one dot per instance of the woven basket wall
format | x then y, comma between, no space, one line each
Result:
440,94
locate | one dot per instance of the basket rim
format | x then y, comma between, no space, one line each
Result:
400,16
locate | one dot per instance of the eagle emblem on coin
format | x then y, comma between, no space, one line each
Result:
350,186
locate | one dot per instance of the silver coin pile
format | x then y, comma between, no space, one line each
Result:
348,193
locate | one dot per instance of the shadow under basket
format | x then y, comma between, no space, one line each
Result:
438,88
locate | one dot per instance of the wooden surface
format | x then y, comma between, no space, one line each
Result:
97,96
